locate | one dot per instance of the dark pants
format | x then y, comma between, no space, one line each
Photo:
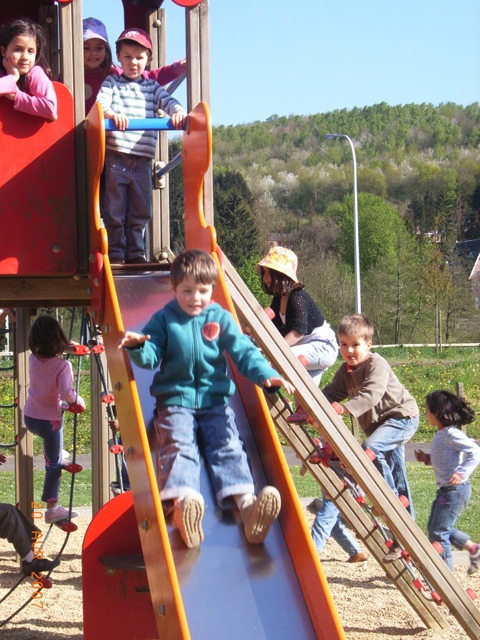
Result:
16,528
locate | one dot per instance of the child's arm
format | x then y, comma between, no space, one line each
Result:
120,119
66,390
171,106
168,73
338,408
132,340
421,456
41,99
3,458
279,382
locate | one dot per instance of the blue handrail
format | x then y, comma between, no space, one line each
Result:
143,124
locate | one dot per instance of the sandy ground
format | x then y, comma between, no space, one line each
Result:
368,604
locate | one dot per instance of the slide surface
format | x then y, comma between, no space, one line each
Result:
226,588
253,590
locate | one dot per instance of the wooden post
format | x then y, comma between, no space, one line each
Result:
160,227
198,90
24,451
102,460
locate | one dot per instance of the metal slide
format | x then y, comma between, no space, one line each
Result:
139,581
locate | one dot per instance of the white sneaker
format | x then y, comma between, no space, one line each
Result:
260,514
58,514
187,515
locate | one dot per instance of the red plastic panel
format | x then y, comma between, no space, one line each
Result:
37,191
116,602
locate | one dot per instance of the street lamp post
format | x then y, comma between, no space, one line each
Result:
356,240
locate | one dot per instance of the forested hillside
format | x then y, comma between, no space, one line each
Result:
418,195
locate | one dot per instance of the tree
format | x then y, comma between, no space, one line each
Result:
237,233
377,223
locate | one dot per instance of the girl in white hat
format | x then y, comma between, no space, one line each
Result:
297,316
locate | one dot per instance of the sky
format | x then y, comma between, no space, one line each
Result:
301,57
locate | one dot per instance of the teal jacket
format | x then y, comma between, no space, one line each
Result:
190,353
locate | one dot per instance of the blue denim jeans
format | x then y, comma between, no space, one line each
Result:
447,507
183,434
328,522
52,434
387,442
127,207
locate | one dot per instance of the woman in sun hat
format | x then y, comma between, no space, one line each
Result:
297,316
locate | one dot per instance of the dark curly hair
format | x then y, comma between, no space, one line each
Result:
449,409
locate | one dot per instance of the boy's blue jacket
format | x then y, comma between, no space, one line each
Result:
190,353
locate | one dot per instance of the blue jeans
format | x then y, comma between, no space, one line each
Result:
387,442
185,433
127,204
52,434
328,522
447,507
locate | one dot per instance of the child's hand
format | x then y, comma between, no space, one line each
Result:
3,458
279,382
339,409
131,340
178,119
11,71
120,120
10,68
421,456
456,479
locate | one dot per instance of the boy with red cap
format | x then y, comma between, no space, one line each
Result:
128,172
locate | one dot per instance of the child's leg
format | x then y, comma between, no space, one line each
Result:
224,453
139,211
178,470
328,523
387,437
52,435
320,355
448,505
230,472
117,177
396,462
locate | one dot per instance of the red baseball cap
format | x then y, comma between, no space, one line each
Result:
137,35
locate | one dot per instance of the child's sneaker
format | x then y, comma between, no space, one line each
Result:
259,515
394,553
39,565
187,515
474,561
299,416
358,557
57,514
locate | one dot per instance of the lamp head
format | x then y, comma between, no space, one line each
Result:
332,136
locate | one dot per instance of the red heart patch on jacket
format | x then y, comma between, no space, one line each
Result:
211,331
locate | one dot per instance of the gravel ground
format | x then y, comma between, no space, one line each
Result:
368,604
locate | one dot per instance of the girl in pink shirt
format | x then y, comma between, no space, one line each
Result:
51,383
24,72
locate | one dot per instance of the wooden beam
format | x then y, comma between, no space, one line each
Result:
61,291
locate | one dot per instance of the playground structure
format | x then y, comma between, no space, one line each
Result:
138,580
